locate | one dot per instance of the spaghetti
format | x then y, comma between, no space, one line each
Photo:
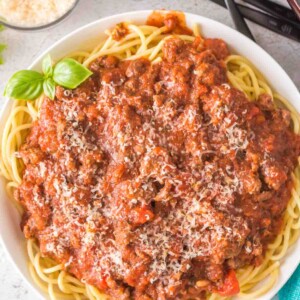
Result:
147,41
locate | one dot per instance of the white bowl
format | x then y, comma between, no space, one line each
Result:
89,35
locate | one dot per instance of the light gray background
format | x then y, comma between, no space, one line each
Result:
24,47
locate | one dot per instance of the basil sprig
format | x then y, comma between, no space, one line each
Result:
49,88
29,85
25,84
47,66
69,73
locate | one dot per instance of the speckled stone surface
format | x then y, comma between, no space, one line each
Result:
24,47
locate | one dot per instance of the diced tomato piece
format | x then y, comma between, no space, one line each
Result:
102,282
230,286
142,215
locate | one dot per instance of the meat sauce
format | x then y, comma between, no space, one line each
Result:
173,20
157,181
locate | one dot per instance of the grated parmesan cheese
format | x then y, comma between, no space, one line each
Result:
31,13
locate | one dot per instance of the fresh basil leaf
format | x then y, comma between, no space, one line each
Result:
69,73
25,85
47,66
49,88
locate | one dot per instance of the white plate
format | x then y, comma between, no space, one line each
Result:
87,36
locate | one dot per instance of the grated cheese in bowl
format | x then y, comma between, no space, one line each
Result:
33,13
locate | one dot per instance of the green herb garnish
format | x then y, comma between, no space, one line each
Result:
2,48
69,73
29,85
25,84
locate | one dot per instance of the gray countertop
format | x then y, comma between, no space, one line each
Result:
24,47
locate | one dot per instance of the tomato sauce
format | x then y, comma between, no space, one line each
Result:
149,178
173,20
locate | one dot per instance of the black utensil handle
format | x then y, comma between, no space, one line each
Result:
286,29
238,19
220,2
275,9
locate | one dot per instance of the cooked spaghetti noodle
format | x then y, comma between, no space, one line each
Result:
147,41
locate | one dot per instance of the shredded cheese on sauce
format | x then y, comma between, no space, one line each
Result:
138,188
